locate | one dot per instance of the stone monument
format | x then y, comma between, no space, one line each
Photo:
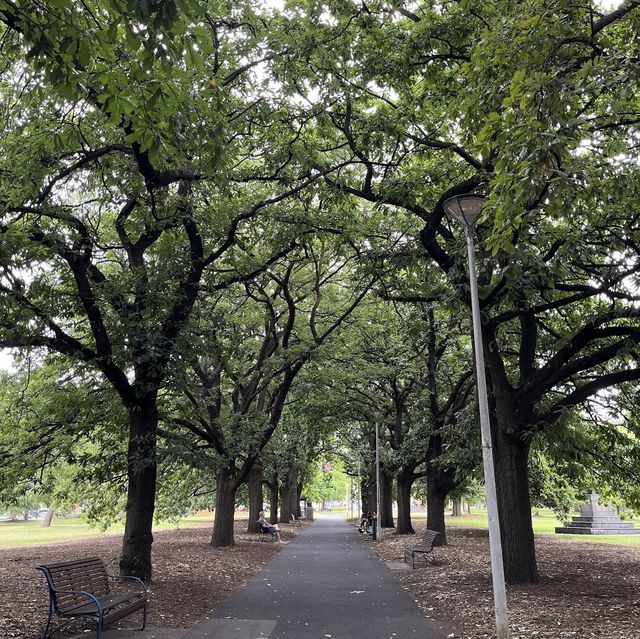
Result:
595,519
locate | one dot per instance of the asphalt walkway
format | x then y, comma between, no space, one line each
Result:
326,583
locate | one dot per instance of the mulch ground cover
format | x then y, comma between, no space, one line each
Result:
190,578
586,589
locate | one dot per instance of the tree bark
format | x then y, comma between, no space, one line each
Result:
273,501
286,499
436,501
226,487
48,518
457,508
404,483
364,496
514,506
298,511
441,480
372,497
288,492
385,516
141,472
255,497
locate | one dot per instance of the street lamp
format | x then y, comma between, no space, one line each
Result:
465,209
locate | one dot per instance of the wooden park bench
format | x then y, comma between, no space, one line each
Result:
80,590
424,547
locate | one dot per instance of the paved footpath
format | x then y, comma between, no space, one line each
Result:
326,583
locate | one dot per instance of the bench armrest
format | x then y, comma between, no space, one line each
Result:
130,578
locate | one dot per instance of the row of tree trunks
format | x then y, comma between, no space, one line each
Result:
286,497
289,495
437,499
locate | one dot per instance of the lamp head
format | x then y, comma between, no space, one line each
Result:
465,208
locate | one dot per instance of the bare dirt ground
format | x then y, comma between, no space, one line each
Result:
190,577
586,590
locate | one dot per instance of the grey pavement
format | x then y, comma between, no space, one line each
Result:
326,583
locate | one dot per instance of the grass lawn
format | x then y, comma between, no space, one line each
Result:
25,533
544,522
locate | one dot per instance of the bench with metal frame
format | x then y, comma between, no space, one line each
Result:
80,590
267,530
297,521
423,548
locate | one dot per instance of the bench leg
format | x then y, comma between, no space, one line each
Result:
144,617
46,630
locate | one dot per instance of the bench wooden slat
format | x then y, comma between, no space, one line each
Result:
423,547
106,602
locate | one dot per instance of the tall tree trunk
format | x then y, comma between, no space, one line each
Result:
48,518
255,497
456,508
436,501
141,472
298,511
295,499
364,496
372,497
514,506
273,500
385,516
288,493
404,483
226,487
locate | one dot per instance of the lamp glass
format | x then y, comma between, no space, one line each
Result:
465,208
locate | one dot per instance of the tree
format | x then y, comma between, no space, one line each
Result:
529,106
239,373
159,166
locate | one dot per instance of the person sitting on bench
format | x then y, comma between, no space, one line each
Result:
365,523
267,527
